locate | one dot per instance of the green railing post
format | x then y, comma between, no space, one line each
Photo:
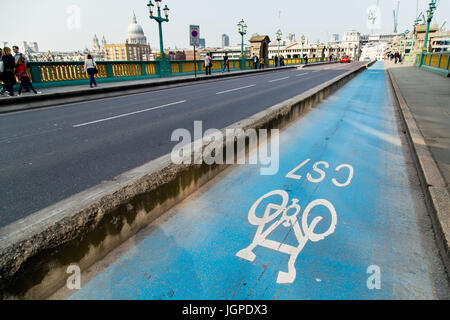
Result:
143,70
109,70
35,72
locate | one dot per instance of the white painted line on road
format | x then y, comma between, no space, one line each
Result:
231,90
301,74
317,70
279,79
128,114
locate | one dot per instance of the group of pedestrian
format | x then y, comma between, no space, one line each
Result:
279,62
396,57
13,69
208,63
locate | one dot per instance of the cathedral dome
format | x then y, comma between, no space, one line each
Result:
136,33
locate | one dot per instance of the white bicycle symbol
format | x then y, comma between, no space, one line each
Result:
303,234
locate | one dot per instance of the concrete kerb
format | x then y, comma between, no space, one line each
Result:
431,179
15,104
36,251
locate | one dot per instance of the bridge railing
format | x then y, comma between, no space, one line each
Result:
436,62
55,74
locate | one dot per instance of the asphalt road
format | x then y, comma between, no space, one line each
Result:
50,154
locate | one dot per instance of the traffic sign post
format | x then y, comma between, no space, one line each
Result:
194,34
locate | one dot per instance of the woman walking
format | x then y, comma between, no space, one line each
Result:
22,75
9,64
90,68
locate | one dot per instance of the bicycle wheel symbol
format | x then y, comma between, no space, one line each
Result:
288,217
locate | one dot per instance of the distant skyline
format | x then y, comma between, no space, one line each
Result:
54,23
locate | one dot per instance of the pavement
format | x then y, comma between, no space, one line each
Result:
343,218
428,97
50,154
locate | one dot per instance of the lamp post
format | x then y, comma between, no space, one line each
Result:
416,22
430,14
165,67
242,29
405,39
279,37
303,43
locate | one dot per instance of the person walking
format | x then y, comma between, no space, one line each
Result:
24,78
2,71
17,55
226,63
208,64
9,65
255,61
306,59
282,61
276,61
90,68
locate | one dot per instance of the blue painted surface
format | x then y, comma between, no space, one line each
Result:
193,255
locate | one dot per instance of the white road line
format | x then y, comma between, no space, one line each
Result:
279,79
128,114
301,74
231,90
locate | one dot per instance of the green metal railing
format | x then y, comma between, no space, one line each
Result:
55,74
436,62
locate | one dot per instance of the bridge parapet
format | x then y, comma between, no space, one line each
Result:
435,62
67,73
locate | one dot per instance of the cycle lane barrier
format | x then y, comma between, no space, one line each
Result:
342,219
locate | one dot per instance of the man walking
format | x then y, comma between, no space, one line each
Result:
18,54
208,64
226,63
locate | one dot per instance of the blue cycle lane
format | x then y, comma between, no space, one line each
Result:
340,220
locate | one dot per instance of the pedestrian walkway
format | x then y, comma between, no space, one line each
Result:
428,97
342,219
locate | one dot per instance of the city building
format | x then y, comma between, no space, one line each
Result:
225,41
441,42
202,42
135,47
374,47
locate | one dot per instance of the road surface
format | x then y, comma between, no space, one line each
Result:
48,155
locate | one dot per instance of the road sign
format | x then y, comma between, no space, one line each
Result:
194,34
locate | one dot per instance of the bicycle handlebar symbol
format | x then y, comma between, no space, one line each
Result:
303,233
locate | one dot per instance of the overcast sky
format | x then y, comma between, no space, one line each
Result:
53,23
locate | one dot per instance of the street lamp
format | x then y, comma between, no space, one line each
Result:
405,39
279,37
430,14
164,62
303,43
242,29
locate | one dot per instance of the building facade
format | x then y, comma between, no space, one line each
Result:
225,41
135,47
